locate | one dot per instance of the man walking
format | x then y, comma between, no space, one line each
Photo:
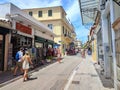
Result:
18,58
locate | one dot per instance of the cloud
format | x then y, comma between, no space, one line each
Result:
82,33
23,4
71,7
73,12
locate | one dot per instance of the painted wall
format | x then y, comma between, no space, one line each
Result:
56,13
94,50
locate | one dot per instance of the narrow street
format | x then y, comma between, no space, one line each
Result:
52,77
74,73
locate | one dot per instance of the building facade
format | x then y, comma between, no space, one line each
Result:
55,19
26,32
5,30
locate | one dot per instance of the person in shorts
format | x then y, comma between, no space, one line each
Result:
19,62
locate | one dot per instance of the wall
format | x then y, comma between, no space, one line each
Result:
117,11
56,14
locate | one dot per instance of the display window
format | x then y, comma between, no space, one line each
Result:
37,45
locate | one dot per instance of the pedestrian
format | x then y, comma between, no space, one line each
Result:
44,53
55,52
83,53
26,65
18,58
58,55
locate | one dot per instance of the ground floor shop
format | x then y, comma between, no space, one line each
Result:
42,47
19,41
4,41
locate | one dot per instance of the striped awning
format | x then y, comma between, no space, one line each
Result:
88,9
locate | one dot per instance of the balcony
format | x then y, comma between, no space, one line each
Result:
68,23
67,38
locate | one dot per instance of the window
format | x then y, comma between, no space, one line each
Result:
49,12
62,15
66,31
30,13
39,13
63,30
50,26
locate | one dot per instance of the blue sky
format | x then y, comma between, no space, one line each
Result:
71,7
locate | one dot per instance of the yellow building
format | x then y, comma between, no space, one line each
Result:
55,19
93,43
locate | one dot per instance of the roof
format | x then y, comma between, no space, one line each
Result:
5,23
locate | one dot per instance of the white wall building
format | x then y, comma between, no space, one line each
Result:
110,12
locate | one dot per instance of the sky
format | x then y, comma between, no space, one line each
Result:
70,6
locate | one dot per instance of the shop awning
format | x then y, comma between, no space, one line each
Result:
117,1
39,39
88,9
31,21
4,30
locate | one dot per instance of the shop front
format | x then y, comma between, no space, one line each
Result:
40,45
21,37
3,39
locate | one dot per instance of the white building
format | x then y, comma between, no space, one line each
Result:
110,12
27,32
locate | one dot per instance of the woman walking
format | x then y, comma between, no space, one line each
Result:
26,65
58,55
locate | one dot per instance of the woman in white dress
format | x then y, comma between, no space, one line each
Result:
58,55
25,65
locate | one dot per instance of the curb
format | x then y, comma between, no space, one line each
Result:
5,83
18,77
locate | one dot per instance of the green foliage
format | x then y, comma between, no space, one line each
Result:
49,57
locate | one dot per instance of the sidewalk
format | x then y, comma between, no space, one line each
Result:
87,78
8,77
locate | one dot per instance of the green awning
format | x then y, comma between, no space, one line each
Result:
50,42
4,30
39,39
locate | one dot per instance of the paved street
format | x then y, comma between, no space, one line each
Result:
52,77
74,73
86,78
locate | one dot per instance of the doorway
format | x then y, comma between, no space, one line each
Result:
1,53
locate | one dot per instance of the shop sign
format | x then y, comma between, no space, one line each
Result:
23,28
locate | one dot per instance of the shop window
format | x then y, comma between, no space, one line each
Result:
37,45
49,12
